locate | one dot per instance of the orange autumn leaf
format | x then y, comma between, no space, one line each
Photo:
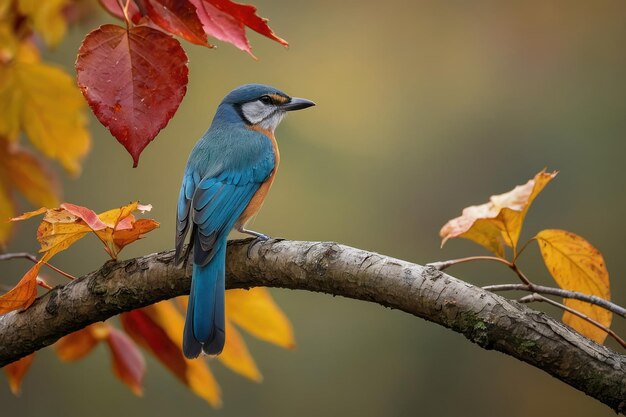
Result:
15,372
121,238
255,311
63,226
127,361
23,294
498,222
159,329
577,266
76,345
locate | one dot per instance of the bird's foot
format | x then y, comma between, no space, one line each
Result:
258,237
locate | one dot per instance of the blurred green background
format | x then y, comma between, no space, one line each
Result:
424,107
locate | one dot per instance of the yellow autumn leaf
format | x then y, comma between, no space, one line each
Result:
498,222
577,266
236,355
21,171
5,8
6,212
46,17
255,311
29,175
199,378
44,102
58,236
8,43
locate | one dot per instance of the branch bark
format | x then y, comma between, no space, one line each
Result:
485,318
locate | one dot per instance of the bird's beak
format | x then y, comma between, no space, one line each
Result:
297,104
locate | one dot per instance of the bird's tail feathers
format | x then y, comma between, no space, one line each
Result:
205,322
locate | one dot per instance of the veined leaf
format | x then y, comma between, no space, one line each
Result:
226,20
255,311
577,266
134,80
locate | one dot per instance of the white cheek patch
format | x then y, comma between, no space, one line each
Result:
255,111
266,116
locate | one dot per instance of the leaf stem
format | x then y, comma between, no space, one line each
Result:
592,299
538,297
33,259
124,8
517,255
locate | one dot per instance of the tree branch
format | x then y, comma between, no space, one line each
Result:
485,318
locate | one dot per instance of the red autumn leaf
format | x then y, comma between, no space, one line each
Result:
113,7
150,335
227,21
178,18
15,372
159,328
23,294
86,215
128,362
134,80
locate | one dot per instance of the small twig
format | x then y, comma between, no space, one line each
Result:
33,259
592,299
538,297
446,264
18,255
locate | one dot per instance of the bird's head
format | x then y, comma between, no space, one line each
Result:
262,105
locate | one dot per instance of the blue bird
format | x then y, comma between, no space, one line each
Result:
228,174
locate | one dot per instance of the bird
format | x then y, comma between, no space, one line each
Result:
228,175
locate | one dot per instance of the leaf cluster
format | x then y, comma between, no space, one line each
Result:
573,263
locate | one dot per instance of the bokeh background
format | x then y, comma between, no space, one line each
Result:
424,107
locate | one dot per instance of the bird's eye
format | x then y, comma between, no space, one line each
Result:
266,100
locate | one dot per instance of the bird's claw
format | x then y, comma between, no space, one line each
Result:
259,238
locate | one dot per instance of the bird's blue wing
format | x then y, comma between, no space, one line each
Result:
210,206
188,188
217,204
